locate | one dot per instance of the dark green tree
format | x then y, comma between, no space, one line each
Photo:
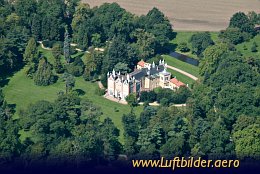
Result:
216,142
31,53
122,68
241,21
66,47
36,27
145,44
183,47
233,35
76,68
130,133
200,41
44,75
157,24
132,100
69,81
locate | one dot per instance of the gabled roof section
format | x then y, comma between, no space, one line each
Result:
177,82
141,63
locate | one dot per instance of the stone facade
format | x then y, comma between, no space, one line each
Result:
146,77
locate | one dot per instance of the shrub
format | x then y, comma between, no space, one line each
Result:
76,68
44,75
116,109
253,49
148,96
183,47
164,102
103,80
100,91
234,35
50,44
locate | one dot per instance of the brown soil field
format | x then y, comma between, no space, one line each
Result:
190,15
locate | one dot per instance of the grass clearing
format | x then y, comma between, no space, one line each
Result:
184,36
247,52
22,92
194,70
181,77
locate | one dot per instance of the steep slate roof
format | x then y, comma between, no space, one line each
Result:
138,74
177,82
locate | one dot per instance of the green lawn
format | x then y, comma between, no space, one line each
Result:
184,36
48,55
181,77
194,70
247,52
22,92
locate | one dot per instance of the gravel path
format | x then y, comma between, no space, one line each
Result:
183,72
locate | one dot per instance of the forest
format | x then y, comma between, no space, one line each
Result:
221,118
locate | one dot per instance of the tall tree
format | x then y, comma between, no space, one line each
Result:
240,20
31,52
66,47
145,44
56,53
157,24
36,27
200,41
69,81
44,75
247,142
130,132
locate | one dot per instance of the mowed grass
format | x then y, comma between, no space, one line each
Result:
247,52
181,77
194,70
184,36
22,92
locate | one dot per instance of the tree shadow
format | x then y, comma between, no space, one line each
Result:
12,108
80,92
4,82
173,35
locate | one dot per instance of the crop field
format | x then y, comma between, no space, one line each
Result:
190,15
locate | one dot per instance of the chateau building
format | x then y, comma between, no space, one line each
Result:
145,77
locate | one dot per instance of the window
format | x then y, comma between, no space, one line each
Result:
110,92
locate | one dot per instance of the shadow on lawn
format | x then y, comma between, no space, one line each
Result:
80,92
4,82
171,46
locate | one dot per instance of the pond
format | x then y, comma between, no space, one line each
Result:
184,58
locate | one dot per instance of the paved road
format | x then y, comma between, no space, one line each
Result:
183,72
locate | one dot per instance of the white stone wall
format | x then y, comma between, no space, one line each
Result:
146,83
125,90
110,86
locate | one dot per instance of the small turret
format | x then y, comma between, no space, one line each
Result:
149,67
114,73
153,65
